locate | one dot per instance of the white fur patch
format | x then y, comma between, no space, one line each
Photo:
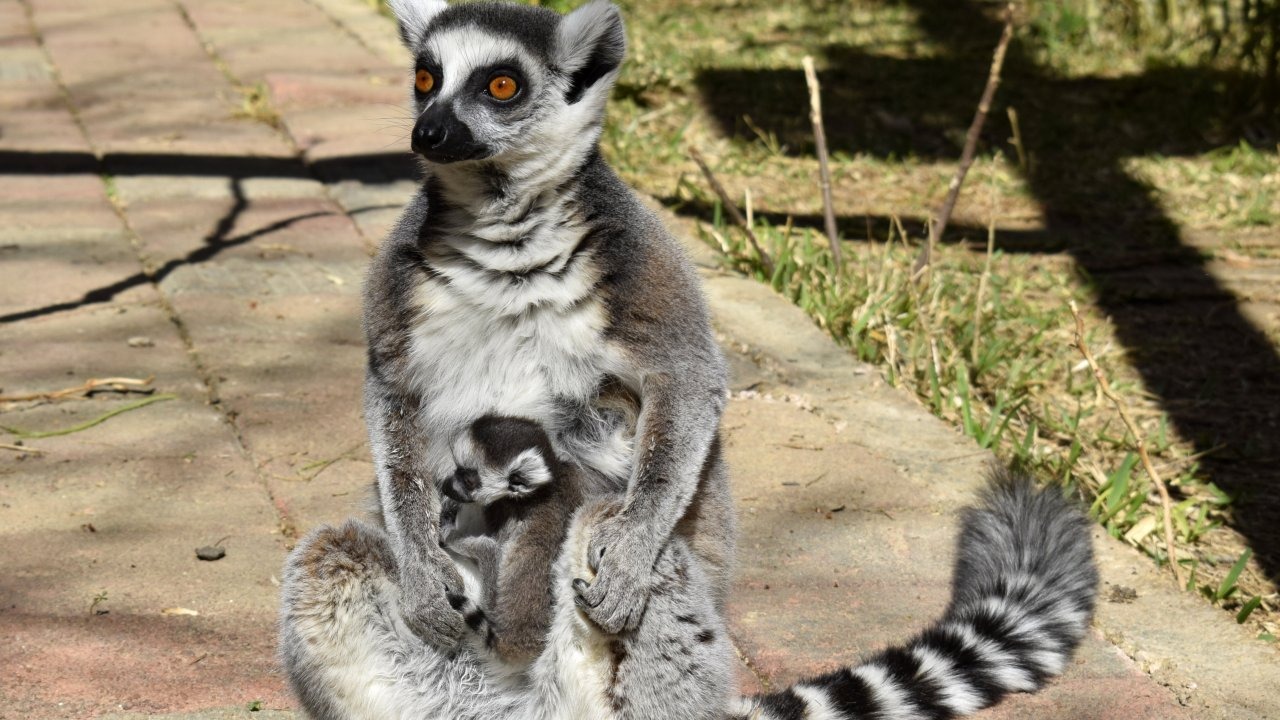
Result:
955,691
485,345
817,706
890,696
464,49
415,15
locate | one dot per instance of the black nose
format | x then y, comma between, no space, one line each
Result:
429,137
441,137
461,486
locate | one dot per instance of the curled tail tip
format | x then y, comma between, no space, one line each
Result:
1025,529
1024,590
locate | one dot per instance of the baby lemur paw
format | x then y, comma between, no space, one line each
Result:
623,564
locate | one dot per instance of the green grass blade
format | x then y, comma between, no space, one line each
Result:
1228,584
1248,609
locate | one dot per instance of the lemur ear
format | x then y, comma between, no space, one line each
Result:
590,46
413,17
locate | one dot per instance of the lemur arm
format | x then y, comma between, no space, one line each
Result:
522,612
679,419
411,510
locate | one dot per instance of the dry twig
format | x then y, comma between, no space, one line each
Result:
734,213
19,432
1138,441
824,168
939,225
113,384
982,289
21,448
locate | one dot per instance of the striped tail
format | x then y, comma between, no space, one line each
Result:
1022,595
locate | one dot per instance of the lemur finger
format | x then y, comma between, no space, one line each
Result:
594,556
588,595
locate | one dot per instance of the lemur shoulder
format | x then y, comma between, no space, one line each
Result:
526,279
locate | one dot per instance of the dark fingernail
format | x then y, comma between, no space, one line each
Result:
580,586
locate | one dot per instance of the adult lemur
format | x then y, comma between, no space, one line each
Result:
526,279
1022,594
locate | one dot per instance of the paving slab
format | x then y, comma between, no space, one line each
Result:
249,303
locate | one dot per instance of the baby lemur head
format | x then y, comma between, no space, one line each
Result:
505,83
500,458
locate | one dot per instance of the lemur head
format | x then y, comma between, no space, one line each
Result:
504,83
500,458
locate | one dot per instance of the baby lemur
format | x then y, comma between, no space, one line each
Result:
525,279
508,467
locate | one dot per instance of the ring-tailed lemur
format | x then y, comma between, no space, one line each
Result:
524,278
1023,591
507,466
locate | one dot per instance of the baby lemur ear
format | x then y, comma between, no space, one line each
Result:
413,17
590,46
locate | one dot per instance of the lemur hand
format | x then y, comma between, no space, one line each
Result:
623,562
425,604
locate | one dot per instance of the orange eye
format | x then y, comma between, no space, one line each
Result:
424,81
503,87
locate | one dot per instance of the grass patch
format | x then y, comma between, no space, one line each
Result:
986,345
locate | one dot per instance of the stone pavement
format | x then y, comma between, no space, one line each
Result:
159,218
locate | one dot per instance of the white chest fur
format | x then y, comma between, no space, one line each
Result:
507,328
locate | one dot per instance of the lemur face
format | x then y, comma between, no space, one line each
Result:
503,82
500,458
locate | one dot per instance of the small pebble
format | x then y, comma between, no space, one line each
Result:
140,341
211,552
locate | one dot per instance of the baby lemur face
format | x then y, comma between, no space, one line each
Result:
506,82
500,458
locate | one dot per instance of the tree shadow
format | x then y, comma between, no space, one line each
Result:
216,242
1215,373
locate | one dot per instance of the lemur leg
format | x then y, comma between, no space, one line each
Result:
677,663
346,649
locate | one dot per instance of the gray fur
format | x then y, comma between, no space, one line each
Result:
532,282
349,657
1023,593
527,527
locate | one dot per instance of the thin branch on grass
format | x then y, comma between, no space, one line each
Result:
939,225
734,213
824,167
112,384
1138,440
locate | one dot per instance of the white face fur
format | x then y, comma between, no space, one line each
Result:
562,67
519,477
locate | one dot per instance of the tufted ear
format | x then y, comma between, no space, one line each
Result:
414,16
590,45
